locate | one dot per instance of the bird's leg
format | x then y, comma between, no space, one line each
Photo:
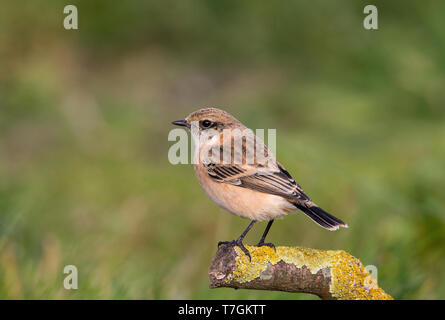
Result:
263,237
239,242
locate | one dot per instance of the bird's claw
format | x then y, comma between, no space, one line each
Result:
268,244
220,243
237,243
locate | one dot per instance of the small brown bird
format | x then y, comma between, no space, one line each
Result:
240,174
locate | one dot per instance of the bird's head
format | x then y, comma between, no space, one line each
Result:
209,120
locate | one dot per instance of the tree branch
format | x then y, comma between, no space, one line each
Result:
326,273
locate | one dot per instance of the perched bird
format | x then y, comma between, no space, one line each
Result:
240,174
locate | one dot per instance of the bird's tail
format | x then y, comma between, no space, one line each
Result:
320,216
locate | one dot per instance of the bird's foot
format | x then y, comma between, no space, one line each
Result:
238,243
261,244
220,243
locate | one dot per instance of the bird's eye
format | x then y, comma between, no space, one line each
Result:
206,123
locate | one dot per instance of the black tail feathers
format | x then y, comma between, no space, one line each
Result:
321,217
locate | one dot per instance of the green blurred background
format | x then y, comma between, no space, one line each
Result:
85,114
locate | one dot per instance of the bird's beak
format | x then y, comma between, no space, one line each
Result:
181,123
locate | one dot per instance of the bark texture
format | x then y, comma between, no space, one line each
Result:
328,274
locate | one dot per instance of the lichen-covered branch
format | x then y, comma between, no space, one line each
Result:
328,274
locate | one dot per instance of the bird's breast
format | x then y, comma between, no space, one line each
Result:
241,201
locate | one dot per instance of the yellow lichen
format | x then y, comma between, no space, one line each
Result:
349,279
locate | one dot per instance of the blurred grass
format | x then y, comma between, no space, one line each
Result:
84,118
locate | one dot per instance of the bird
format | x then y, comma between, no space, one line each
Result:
241,175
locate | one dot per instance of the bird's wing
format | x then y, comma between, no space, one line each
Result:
278,182
264,175
272,179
